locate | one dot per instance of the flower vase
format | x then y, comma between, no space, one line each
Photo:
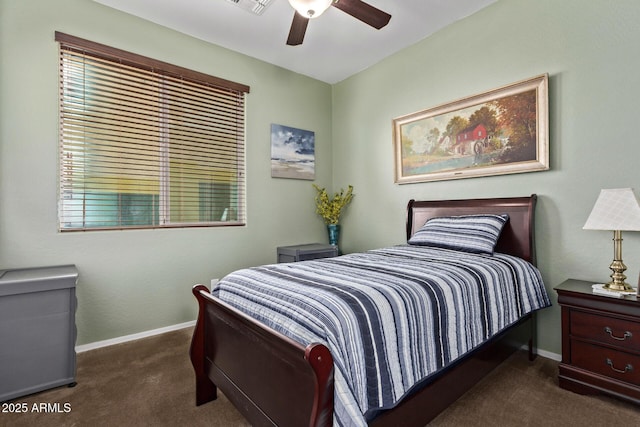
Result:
334,233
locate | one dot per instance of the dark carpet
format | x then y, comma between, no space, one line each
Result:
150,382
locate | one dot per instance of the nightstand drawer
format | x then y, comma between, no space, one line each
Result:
607,330
600,342
605,361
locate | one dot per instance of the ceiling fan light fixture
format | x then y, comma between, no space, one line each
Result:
310,8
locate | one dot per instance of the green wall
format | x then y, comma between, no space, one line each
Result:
590,51
134,281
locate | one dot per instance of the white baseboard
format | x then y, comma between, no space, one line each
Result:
132,337
99,344
549,355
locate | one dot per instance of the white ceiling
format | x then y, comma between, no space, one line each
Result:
336,45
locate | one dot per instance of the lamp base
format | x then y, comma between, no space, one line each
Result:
619,287
617,267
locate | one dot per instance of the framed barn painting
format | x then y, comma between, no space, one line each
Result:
502,131
292,153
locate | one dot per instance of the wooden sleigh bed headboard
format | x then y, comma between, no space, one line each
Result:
517,237
276,381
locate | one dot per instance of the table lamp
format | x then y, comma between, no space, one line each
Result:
617,210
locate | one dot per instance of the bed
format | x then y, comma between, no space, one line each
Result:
274,379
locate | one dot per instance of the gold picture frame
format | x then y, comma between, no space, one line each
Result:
502,131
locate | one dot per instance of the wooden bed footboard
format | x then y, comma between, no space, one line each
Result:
270,378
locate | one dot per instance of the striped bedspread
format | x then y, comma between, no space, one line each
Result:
391,317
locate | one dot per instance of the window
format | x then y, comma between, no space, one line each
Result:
146,144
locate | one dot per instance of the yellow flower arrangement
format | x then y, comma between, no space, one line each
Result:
331,209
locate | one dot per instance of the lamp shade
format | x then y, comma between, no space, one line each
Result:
310,8
615,209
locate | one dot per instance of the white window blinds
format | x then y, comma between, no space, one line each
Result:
145,143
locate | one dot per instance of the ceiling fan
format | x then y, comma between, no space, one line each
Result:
307,9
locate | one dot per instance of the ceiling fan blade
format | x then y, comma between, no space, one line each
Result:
364,12
298,28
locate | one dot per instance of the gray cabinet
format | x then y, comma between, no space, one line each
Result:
306,252
37,329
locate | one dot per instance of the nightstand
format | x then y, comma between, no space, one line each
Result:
306,252
600,342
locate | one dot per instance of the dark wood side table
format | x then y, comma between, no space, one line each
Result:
600,342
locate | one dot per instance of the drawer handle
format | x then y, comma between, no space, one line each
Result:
627,368
626,335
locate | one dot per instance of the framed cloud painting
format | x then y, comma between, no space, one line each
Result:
292,153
